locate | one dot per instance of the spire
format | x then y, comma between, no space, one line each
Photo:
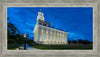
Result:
40,15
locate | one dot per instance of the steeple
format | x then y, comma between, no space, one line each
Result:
40,16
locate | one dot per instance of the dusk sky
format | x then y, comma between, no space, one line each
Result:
77,21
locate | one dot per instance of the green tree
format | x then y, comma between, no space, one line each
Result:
86,42
14,36
80,41
74,41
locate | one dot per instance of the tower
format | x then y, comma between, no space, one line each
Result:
45,34
40,16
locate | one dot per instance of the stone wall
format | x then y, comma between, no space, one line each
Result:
51,36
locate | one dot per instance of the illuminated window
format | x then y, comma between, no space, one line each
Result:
42,31
42,23
47,32
54,33
60,34
57,34
63,35
51,33
47,25
47,41
50,41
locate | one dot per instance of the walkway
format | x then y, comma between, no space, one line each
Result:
28,47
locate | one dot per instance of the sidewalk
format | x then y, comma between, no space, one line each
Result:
29,48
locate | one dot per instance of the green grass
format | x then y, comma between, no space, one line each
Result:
12,48
63,47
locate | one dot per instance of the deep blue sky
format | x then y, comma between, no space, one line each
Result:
77,21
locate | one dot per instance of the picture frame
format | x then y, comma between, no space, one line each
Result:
48,53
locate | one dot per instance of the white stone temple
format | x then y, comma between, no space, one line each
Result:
44,34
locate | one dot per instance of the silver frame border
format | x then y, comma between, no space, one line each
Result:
48,3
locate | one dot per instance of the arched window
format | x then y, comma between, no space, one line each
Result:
47,32
42,31
47,25
47,41
42,23
63,35
51,41
54,33
57,34
51,33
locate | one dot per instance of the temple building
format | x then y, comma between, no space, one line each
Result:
45,34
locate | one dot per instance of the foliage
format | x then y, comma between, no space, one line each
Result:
80,41
63,47
15,38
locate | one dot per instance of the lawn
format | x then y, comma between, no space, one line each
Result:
63,47
12,48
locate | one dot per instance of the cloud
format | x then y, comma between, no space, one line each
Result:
75,36
77,21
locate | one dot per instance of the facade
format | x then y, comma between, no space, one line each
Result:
44,34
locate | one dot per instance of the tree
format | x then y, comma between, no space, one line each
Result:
74,41
86,42
14,36
80,41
